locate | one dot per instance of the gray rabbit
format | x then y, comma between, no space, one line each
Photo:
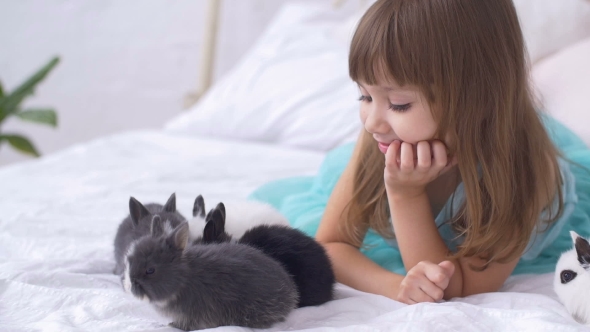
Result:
206,286
138,223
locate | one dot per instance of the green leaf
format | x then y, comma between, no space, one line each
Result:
1,91
43,116
9,104
20,143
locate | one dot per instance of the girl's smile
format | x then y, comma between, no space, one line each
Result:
383,147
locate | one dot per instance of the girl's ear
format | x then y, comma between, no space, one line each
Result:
180,236
199,207
137,210
170,205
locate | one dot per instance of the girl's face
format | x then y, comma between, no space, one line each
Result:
390,112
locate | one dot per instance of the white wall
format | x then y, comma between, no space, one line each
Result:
125,64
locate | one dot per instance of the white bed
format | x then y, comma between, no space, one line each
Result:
275,115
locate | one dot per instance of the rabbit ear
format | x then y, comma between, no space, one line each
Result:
583,250
215,226
574,236
170,205
180,236
221,207
199,207
157,228
137,210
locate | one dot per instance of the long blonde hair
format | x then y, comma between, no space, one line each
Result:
468,59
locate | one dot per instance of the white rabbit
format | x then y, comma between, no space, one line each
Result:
240,215
572,279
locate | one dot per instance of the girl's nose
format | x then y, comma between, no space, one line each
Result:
375,121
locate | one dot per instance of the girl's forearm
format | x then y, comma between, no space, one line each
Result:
354,269
418,237
415,230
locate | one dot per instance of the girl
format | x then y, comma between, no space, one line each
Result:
444,100
455,168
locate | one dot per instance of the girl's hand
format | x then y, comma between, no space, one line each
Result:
426,282
408,172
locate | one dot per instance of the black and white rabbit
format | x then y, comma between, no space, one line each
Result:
206,286
214,230
138,223
241,215
572,279
303,257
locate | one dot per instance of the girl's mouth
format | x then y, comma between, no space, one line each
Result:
383,147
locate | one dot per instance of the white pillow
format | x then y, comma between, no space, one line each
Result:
563,84
292,88
550,25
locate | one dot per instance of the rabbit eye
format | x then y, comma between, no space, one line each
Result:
567,276
151,270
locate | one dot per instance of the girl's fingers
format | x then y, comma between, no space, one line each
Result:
426,282
424,155
432,291
420,296
417,293
450,165
406,157
392,155
440,275
439,152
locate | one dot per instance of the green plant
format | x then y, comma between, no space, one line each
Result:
10,106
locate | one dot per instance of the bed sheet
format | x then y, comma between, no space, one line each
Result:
59,214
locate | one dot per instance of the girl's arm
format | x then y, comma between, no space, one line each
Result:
416,232
350,266
419,240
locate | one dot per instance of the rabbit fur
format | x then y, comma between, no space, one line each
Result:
138,222
572,279
303,258
240,215
206,286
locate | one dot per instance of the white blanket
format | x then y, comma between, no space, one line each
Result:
59,215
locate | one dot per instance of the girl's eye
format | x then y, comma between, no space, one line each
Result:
567,276
399,108
151,270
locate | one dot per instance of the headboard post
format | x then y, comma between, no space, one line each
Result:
207,63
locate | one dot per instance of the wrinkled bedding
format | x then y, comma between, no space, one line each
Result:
59,215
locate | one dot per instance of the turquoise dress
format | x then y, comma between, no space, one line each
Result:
303,200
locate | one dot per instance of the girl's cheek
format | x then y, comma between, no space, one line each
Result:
363,115
414,134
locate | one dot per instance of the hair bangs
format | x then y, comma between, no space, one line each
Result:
376,53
